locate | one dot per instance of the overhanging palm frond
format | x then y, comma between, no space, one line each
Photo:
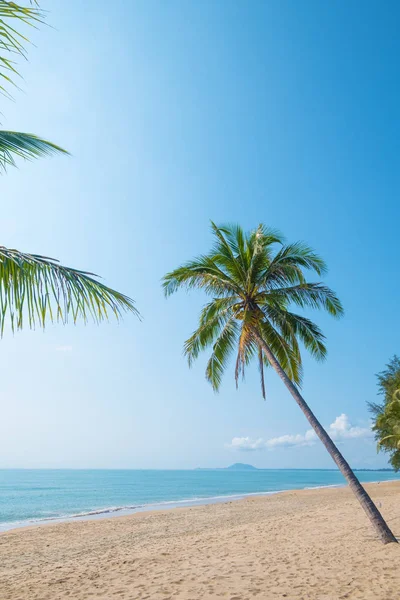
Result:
15,17
24,145
39,289
12,42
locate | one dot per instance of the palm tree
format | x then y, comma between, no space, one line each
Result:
13,43
252,287
386,416
388,427
35,289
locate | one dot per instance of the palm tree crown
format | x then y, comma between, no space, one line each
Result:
253,280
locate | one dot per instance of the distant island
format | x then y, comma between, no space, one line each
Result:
245,467
389,470
235,467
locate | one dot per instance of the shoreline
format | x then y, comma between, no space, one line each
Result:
314,544
125,511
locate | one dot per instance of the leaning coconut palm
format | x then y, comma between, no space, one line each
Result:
13,43
252,287
35,289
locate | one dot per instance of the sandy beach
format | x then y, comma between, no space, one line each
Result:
309,544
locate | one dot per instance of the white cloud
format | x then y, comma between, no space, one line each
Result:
64,349
340,429
246,443
308,439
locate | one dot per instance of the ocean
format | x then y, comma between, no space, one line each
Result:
29,497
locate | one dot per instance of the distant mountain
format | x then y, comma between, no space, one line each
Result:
241,467
235,467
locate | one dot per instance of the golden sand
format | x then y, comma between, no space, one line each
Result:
310,544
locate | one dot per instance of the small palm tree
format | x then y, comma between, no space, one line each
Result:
389,422
252,287
35,289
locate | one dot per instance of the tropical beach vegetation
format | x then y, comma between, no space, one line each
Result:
387,414
254,279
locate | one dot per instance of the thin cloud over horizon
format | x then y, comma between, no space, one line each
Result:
340,429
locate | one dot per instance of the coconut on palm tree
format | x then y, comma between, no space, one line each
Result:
253,281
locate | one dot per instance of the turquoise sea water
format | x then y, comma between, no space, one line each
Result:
38,496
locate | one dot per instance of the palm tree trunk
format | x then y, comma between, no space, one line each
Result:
362,496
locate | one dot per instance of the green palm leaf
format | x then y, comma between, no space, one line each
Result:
13,43
222,350
293,326
38,289
24,145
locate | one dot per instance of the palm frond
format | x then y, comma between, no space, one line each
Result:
287,267
224,256
302,256
242,352
24,145
213,318
202,273
13,43
222,350
394,441
294,326
286,353
247,347
310,295
39,289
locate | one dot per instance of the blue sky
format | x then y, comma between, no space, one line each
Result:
175,113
